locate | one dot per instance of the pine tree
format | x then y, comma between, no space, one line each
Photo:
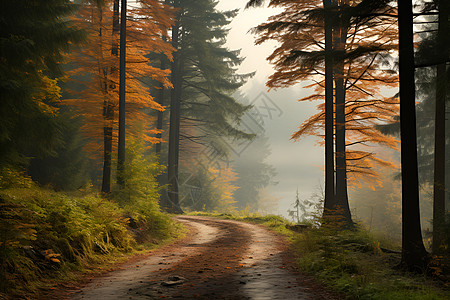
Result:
414,255
356,66
122,91
431,130
33,39
67,168
443,48
204,78
174,129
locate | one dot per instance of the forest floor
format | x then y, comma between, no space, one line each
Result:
219,259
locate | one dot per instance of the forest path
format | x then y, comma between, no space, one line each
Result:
221,259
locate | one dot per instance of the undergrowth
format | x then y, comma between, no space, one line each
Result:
47,236
352,263
349,261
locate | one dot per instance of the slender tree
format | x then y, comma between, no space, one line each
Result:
96,72
330,191
122,93
355,69
108,107
339,43
414,255
439,133
174,130
161,101
204,77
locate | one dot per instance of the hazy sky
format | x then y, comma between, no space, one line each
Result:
298,164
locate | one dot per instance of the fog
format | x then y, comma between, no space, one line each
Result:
298,164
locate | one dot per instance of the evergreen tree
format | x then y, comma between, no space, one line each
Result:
432,81
204,78
313,42
414,255
33,38
254,173
67,168
122,91
251,165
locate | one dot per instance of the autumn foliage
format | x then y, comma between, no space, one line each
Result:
365,72
96,69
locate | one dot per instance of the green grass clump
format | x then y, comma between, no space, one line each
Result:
47,236
351,262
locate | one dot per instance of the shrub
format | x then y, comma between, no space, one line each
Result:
44,233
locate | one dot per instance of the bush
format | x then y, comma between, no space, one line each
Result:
139,197
44,233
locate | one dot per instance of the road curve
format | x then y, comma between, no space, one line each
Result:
222,259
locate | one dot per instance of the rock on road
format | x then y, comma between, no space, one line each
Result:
221,259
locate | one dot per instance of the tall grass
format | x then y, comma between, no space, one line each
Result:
46,235
352,263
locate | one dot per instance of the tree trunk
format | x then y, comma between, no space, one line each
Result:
107,150
108,108
174,130
122,88
329,200
414,255
342,205
162,178
160,117
439,133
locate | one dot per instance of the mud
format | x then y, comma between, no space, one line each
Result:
221,259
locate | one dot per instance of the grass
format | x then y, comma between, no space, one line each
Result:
47,237
350,262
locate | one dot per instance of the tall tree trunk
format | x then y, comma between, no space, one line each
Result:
108,108
174,130
160,99
329,200
414,255
342,205
122,88
162,178
439,133
160,116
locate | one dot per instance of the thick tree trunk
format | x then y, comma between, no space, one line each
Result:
108,108
174,130
414,255
329,200
342,205
439,133
122,88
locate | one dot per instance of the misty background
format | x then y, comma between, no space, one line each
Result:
299,165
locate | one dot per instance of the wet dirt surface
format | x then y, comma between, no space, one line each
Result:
221,259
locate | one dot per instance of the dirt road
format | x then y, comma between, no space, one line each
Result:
221,259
